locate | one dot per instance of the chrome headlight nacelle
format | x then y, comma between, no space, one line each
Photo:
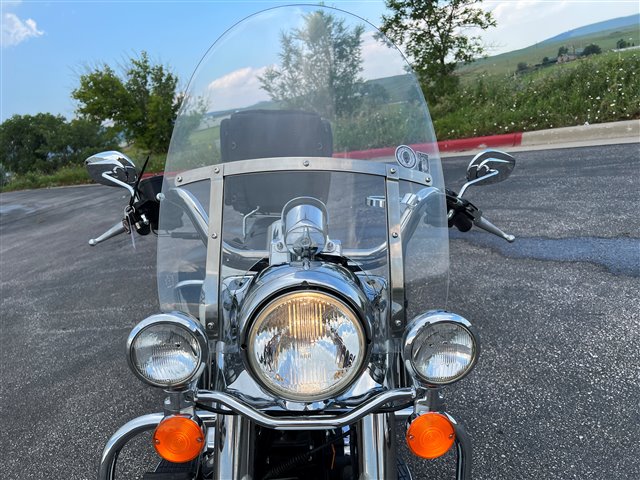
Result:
306,333
440,348
168,350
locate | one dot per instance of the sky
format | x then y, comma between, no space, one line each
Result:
47,45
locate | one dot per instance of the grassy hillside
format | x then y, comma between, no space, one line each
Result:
599,88
507,62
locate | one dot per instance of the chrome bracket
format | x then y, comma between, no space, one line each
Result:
209,307
396,261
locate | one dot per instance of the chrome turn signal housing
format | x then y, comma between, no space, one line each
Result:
167,350
440,348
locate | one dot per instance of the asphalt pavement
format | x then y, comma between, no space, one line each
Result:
555,395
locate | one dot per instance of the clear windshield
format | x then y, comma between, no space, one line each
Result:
302,82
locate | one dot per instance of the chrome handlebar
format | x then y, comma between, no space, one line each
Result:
415,204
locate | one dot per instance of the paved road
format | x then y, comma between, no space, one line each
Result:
555,394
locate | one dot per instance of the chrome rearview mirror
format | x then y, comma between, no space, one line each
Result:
490,166
113,169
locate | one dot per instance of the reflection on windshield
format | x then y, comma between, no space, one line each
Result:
327,64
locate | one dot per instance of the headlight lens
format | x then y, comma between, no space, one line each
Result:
167,350
441,348
306,346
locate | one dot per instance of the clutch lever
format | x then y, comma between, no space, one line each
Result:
462,213
117,229
487,226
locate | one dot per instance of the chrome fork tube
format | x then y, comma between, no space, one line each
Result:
234,447
377,447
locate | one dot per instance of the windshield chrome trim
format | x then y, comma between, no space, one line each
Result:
396,261
209,306
280,164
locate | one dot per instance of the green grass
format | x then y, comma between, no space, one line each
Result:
596,89
507,62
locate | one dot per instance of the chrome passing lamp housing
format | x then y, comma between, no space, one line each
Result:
309,340
168,350
440,348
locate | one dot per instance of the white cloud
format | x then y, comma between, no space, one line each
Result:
15,31
379,60
238,89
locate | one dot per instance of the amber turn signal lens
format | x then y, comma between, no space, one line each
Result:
178,439
430,435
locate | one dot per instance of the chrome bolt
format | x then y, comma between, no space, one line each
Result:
392,170
157,442
179,179
306,163
411,437
330,246
211,325
394,234
280,246
398,323
214,235
216,170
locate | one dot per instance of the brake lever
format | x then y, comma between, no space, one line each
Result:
117,229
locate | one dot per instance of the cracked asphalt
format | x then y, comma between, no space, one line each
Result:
555,395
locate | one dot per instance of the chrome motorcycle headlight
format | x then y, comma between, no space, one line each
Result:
440,348
167,350
306,346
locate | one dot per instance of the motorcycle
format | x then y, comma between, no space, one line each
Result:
302,223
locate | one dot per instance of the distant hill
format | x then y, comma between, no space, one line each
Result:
614,23
604,34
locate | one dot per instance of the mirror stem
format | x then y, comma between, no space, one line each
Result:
492,173
106,176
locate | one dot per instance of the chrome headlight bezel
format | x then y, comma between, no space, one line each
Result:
339,387
327,278
187,325
416,329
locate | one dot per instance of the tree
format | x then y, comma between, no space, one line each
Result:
432,33
142,104
375,94
320,65
45,142
563,51
522,66
546,61
591,49
622,43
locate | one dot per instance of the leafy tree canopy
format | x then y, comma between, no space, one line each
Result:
563,50
45,142
320,65
622,43
142,103
432,33
591,49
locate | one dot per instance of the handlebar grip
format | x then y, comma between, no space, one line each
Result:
486,225
117,229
